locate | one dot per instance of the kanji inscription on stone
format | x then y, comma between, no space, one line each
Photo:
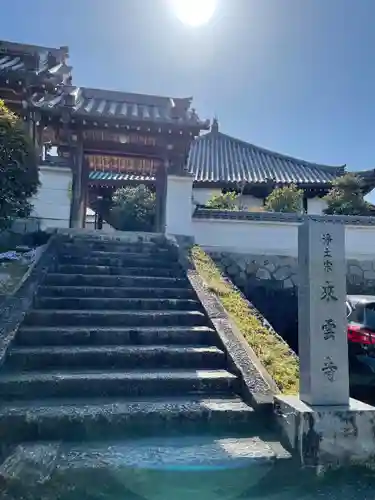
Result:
329,369
328,292
329,329
322,324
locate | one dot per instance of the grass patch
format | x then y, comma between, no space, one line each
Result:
274,353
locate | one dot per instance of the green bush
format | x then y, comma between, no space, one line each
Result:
133,209
223,201
18,169
346,197
287,199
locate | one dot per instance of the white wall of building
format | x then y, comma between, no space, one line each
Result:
248,202
202,195
273,238
52,202
264,238
316,206
179,205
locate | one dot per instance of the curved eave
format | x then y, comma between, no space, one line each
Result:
329,168
368,180
216,157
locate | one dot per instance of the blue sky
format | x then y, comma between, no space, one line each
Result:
295,76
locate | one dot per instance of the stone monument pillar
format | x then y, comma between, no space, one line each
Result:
323,426
322,323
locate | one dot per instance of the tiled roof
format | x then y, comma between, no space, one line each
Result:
95,103
112,176
21,58
216,157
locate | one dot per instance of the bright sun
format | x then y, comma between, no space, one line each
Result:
194,12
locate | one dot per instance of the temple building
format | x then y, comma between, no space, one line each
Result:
105,139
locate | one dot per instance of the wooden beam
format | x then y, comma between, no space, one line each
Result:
78,193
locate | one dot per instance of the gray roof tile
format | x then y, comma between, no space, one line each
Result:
11,63
33,58
97,103
216,157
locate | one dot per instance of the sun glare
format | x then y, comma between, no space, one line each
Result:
194,12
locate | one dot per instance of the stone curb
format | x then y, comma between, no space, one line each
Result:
14,307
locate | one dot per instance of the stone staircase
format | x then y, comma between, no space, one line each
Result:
118,347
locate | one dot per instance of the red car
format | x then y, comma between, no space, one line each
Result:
361,339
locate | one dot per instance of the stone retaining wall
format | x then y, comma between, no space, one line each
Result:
270,283
281,273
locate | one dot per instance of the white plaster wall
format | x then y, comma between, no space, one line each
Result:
178,208
316,206
52,202
360,242
264,238
248,202
202,195
273,238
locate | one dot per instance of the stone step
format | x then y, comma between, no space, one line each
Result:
119,260
215,466
127,357
66,317
109,304
88,419
90,383
163,257
115,292
57,335
175,272
114,281
115,246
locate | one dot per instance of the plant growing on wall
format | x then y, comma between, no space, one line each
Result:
133,209
346,197
285,199
18,169
223,201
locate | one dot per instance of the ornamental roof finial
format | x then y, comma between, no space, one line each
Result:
215,125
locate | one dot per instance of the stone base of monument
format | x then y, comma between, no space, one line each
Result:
327,435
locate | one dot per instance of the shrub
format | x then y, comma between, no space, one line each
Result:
346,197
223,201
285,199
18,169
133,209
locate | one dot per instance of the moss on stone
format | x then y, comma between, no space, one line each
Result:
276,356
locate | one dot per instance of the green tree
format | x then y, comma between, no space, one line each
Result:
346,197
285,199
223,201
18,169
133,209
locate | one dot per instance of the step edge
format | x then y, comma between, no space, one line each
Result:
149,312
143,329
198,374
103,347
